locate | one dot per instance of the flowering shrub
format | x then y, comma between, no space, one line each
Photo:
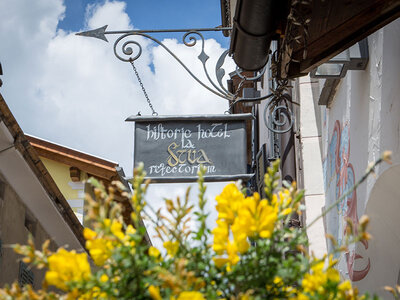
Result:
254,252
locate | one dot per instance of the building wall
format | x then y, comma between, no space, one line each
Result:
72,191
13,214
362,121
310,164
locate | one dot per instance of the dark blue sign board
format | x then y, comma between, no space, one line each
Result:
172,148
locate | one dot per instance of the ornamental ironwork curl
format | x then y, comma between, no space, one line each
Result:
278,117
127,50
190,38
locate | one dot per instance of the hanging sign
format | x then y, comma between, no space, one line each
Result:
172,148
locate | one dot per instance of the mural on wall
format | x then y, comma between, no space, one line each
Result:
339,178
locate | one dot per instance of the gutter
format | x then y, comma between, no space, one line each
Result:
254,26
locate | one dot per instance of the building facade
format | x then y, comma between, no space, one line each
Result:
342,124
71,168
30,203
360,121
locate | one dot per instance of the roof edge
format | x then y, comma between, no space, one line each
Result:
32,158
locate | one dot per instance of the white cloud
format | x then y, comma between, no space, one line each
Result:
111,12
73,90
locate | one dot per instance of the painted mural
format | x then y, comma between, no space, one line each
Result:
339,177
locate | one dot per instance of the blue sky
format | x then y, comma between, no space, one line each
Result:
156,14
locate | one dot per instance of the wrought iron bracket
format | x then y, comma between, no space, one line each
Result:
123,51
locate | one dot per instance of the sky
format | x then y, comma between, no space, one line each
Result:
72,90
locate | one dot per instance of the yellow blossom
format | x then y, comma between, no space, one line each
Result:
89,234
154,292
278,280
130,230
232,251
221,235
99,250
257,218
287,211
229,203
127,239
107,222
220,261
103,278
171,247
154,252
116,230
193,295
319,277
344,286
66,267
94,293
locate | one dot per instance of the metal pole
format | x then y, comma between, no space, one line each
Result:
288,162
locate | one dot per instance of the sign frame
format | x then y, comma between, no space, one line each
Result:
195,118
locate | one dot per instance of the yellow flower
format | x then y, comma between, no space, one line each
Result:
171,247
154,292
191,296
287,211
345,286
278,280
255,218
89,234
116,229
94,293
99,250
103,278
130,230
233,256
220,261
317,280
221,235
154,252
128,239
65,267
229,203
107,222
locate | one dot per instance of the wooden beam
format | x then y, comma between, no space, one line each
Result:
102,172
338,24
88,163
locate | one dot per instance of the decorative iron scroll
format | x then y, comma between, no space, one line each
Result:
127,49
281,118
126,45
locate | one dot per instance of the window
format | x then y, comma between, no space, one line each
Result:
25,275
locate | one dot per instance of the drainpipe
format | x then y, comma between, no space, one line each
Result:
288,161
254,25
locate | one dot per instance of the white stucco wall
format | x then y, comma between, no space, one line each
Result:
363,121
311,164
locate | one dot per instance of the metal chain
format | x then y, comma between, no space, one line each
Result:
143,89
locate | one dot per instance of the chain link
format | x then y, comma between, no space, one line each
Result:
143,89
